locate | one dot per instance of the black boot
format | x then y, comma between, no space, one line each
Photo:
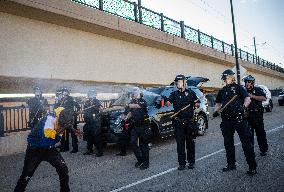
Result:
74,150
121,154
138,164
190,165
144,165
252,171
99,154
181,167
229,168
64,150
88,153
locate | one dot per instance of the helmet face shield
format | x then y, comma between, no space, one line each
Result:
92,94
37,93
65,93
228,76
136,94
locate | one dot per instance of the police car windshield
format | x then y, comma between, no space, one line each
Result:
148,96
155,90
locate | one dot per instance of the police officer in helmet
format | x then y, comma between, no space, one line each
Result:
92,128
136,115
37,106
255,113
69,103
233,120
183,123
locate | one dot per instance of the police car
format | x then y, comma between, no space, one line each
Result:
159,114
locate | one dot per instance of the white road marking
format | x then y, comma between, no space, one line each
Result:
175,168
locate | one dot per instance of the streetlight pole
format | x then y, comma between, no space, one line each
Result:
236,46
254,46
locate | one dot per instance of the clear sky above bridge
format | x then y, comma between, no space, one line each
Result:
262,19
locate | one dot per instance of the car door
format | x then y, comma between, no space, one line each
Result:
165,112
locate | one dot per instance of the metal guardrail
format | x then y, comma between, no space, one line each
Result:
14,119
137,13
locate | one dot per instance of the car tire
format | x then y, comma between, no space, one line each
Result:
280,103
270,107
201,124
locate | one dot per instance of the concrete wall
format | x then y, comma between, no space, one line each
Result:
42,39
36,49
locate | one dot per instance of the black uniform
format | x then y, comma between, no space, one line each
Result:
70,104
184,126
92,128
255,119
124,139
138,138
37,107
233,120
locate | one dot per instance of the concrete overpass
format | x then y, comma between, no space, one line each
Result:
57,41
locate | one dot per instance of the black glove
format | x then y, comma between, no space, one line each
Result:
216,114
246,112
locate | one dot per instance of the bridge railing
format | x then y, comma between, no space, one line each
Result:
137,13
14,119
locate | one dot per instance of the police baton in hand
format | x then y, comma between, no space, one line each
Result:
81,111
178,112
216,113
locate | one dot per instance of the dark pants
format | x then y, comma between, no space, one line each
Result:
94,136
34,156
139,144
123,141
256,125
65,139
184,138
228,128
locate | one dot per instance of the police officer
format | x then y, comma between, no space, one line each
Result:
69,103
183,123
255,114
92,128
37,106
137,115
124,139
58,98
41,147
233,120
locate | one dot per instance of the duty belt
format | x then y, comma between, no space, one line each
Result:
255,110
237,117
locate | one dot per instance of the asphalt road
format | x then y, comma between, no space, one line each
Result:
112,173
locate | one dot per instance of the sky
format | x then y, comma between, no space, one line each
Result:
262,19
